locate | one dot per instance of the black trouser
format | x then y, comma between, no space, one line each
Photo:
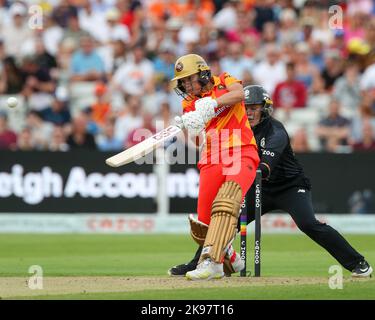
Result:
299,205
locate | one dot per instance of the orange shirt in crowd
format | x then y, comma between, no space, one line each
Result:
100,111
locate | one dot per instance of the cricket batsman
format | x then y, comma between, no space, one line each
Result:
285,186
213,107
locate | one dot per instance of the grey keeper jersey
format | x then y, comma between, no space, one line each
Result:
275,150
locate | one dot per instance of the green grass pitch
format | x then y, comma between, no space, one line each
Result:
135,266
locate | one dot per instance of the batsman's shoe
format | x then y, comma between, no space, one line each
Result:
181,269
206,270
362,270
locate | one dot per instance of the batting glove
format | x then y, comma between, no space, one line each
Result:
206,107
192,121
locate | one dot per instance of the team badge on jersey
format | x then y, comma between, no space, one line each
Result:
263,142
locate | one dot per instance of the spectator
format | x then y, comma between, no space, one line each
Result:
131,118
307,26
93,22
288,31
101,108
25,141
131,15
165,116
362,202
358,50
39,86
63,58
102,5
91,126
366,113
146,130
74,31
152,101
204,10
290,93
86,63
107,140
355,26
17,32
160,10
346,88
317,55
236,62
157,36
368,78
164,62
190,29
80,138
52,34
58,140
338,42
207,42
58,113
41,131
271,65
135,76
174,26
8,138
264,13
305,69
113,28
3,54
370,40
333,68
269,33
318,97
46,61
300,142
244,29
118,55
62,12
333,131
226,18
221,47
11,79
367,143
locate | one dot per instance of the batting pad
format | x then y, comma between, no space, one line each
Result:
223,225
198,230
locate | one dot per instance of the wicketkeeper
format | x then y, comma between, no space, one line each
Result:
213,106
285,187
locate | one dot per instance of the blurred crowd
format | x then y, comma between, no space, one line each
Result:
89,73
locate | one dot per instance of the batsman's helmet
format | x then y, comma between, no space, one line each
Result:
255,94
188,65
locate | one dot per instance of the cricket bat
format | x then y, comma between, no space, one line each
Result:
141,149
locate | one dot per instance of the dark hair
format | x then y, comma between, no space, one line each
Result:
290,65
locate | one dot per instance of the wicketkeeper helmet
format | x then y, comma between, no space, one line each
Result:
256,94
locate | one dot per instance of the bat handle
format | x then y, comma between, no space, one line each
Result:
179,123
